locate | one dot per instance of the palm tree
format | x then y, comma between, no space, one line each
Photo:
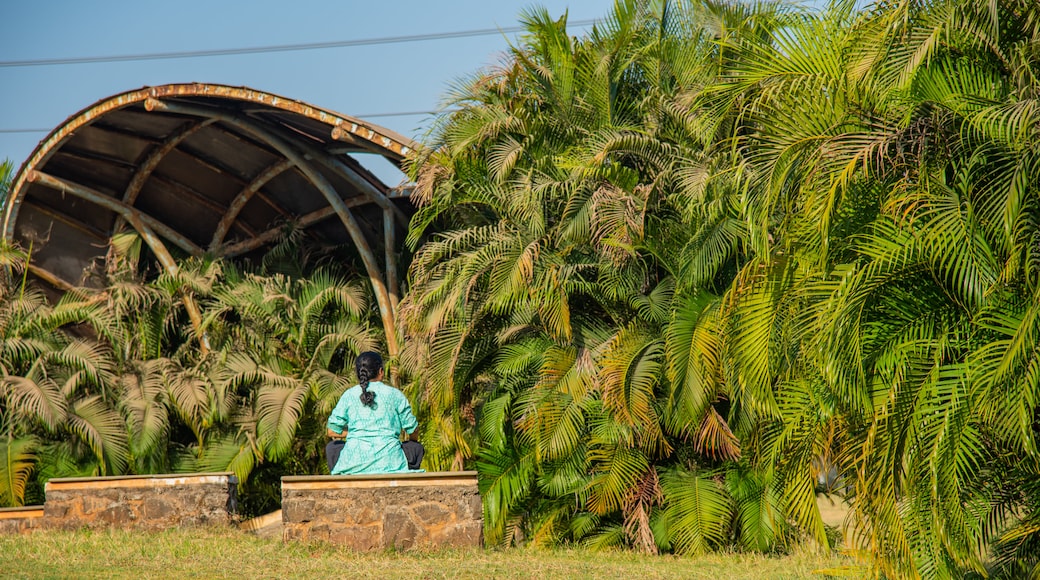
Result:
57,399
888,159
572,299
282,355
801,247
6,173
130,391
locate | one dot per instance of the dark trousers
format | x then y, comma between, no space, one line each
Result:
413,452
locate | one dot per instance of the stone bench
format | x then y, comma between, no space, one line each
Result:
20,520
150,502
371,512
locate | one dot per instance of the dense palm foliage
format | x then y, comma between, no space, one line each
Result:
709,256
114,382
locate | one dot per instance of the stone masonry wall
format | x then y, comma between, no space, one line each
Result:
20,520
150,502
371,512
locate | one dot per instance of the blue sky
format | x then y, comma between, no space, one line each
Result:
357,81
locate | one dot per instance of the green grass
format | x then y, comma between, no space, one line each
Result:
230,553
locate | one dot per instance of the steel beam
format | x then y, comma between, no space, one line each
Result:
390,255
239,248
145,169
397,149
386,309
358,181
350,131
243,197
120,208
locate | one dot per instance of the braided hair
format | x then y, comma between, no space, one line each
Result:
368,365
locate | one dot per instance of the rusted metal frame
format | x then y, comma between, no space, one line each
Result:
49,145
356,177
243,197
167,261
146,167
223,170
356,128
215,167
50,278
120,208
362,172
400,146
386,309
351,144
58,216
358,145
239,248
298,125
395,146
389,245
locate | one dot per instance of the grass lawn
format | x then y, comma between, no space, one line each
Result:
231,553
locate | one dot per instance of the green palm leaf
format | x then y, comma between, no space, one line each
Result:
17,462
103,431
697,509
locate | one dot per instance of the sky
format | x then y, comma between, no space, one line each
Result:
362,81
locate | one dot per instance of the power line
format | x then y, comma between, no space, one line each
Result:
274,47
363,116
401,114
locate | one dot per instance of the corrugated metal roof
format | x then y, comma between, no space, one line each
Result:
206,168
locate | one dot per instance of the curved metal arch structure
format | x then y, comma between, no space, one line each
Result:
208,168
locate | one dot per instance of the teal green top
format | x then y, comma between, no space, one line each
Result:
373,443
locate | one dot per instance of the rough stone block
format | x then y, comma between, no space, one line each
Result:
152,502
20,520
370,512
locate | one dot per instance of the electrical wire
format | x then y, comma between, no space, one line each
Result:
364,116
268,49
274,47
24,130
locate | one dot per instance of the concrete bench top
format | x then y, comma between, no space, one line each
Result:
29,511
422,479
161,480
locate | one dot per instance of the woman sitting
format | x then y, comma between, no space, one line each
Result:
371,417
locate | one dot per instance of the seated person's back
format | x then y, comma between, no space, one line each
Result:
373,415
